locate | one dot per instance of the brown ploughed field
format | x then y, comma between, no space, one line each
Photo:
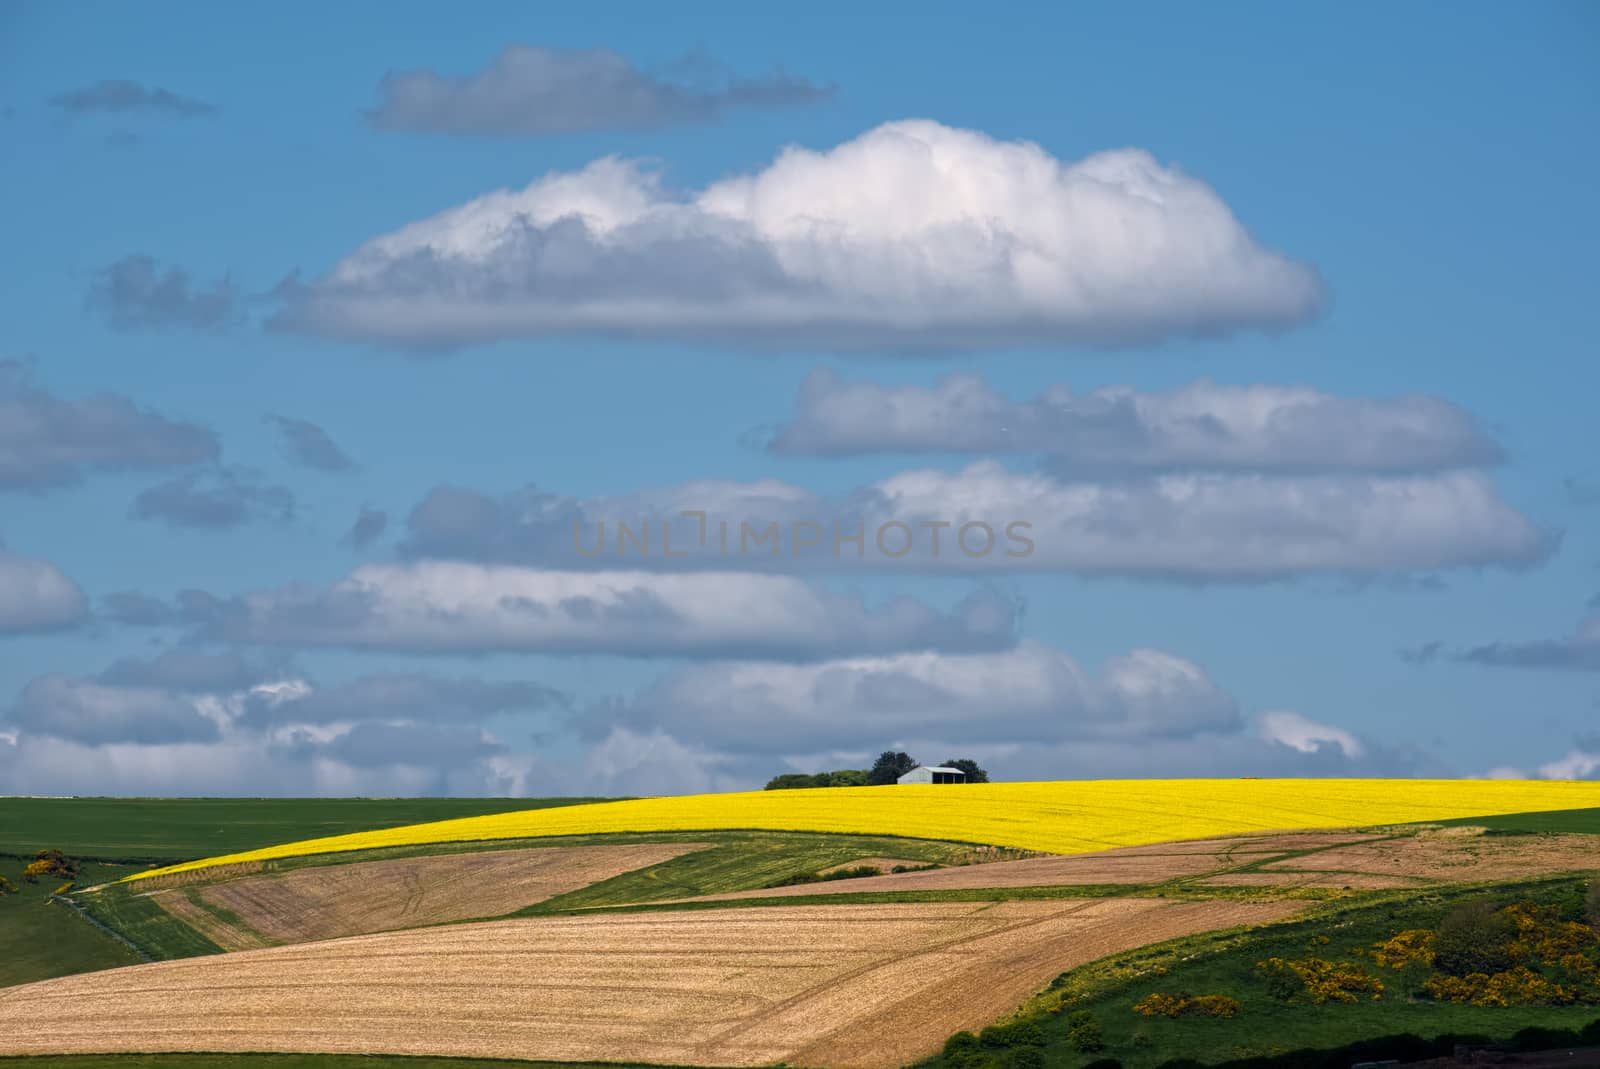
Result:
846,985
325,902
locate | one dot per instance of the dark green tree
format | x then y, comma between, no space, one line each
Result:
890,766
975,774
793,780
1474,937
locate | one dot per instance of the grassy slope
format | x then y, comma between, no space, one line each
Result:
1224,964
741,861
1570,821
178,829
40,939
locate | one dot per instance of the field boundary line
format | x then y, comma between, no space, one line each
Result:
106,928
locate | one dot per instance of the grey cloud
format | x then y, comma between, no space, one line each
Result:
402,696
1031,694
193,671
120,96
1199,427
1578,653
433,746
369,525
243,766
37,597
220,499
134,608
528,90
310,446
1426,653
90,712
48,442
1190,528
134,294
434,607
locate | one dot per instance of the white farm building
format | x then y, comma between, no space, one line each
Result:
934,774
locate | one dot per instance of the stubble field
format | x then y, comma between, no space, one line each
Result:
857,985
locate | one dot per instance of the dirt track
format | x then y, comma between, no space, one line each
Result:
829,986
329,901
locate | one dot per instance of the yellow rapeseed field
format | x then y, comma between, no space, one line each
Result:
1068,817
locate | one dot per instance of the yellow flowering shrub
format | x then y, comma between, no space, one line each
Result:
1318,980
1520,986
1414,945
1160,1005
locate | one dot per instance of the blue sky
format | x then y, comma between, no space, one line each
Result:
1363,203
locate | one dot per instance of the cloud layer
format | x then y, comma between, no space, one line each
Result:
1200,427
197,721
1028,694
48,442
914,235
445,607
1188,528
530,90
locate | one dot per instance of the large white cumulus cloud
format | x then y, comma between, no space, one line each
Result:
913,235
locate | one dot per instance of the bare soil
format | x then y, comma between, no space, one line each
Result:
326,902
1458,856
848,985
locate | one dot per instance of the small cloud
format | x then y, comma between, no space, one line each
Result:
47,442
528,90
123,139
1579,652
1306,735
368,528
220,499
1426,653
135,294
310,446
120,96
1583,490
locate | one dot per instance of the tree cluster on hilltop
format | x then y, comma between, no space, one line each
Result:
889,767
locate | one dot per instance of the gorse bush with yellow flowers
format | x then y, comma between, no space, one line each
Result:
1523,954
1318,981
1185,1005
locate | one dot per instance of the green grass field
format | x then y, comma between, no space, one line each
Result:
1569,821
40,939
182,829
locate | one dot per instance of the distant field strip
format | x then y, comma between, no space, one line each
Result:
858,986
1068,817
375,896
